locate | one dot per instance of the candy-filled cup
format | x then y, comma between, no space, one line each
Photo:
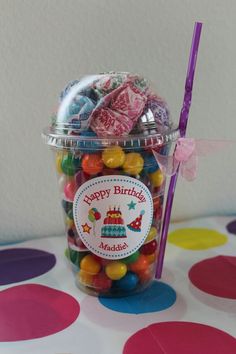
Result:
112,188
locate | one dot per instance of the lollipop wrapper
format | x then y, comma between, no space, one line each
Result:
118,111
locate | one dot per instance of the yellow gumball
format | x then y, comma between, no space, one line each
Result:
85,278
133,164
113,157
69,222
151,235
90,265
59,157
157,178
116,270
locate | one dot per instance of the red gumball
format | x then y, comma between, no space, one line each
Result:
101,282
70,189
149,247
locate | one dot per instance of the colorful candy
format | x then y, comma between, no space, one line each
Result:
90,265
92,164
109,124
140,265
116,270
149,247
157,178
113,157
133,164
128,282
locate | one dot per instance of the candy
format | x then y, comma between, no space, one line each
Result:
145,275
151,257
115,270
70,222
90,265
101,282
133,164
67,206
128,282
132,258
85,277
92,164
151,235
150,163
149,247
88,146
157,178
70,189
113,157
117,112
59,157
70,164
140,264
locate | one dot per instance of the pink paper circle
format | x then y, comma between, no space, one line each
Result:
34,311
180,337
215,276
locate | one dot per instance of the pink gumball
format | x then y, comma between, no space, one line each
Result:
70,190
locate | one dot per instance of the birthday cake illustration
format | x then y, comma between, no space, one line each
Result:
113,224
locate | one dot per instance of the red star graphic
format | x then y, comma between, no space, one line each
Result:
86,228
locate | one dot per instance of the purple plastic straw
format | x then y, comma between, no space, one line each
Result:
182,127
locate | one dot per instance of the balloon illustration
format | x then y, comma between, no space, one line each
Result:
94,216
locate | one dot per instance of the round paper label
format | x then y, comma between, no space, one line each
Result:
113,215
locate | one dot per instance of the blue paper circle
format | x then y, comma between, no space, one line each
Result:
158,297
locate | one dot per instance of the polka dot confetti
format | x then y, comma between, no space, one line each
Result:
180,337
19,264
34,311
231,227
215,276
197,238
159,296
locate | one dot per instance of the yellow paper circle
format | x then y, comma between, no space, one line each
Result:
197,238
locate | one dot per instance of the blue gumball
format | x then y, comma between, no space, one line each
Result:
150,163
128,282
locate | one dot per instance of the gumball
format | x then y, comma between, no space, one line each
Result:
133,164
92,164
101,282
115,270
70,214
67,206
151,257
131,259
81,177
128,282
85,278
63,179
140,264
70,190
151,235
149,248
90,265
157,178
69,222
150,163
113,157
70,164
59,157
145,275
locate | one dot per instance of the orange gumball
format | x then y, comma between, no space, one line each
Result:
92,164
85,278
145,275
140,265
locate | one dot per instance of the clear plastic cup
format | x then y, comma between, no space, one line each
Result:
112,195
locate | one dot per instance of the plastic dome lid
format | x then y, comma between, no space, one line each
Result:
108,108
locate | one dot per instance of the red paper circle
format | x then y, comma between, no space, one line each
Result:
215,276
34,311
180,337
